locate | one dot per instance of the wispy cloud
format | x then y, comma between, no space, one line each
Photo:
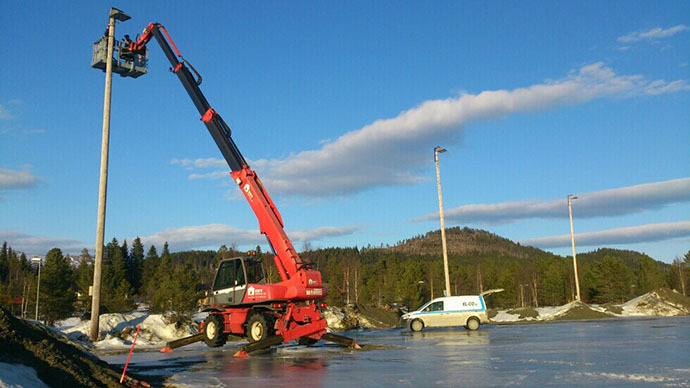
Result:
215,235
11,179
652,34
199,163
605,203
5,114
630,235
390,152
37,245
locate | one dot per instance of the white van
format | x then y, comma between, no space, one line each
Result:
466,310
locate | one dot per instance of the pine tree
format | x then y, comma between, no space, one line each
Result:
117,293
84,280
57,296
135,265
151,263
4,262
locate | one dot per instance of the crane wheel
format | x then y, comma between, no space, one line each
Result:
259,326
213,331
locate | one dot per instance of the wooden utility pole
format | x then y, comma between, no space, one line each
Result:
103,182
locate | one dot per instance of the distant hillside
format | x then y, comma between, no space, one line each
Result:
466,241
631,258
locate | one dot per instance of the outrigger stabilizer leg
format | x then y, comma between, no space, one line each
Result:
278,339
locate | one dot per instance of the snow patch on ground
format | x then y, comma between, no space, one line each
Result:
119,330
653,303
18,375
660,303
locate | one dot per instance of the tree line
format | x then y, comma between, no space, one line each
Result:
407,274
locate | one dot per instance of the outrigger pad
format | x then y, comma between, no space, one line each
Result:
339,339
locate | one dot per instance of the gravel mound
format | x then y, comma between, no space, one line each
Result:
57,362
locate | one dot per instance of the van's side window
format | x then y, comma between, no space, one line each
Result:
436,306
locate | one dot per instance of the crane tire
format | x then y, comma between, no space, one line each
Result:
213,331
259,326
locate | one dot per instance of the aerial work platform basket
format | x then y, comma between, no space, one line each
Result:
125,62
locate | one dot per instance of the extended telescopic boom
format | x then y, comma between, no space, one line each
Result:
288,262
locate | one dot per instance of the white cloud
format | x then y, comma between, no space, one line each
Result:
629,235
215,235
605,203
323,232
10,179
33,245
652,34
393,151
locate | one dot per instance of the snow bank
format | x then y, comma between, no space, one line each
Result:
18,375
118,330
661,302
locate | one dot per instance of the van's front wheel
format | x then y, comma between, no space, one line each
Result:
417,325
472,324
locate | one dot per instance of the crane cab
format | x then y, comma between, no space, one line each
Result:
234,278
125,62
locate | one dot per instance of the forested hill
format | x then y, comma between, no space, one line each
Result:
466,241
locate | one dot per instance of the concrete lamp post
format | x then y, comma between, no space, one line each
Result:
572,241
437,150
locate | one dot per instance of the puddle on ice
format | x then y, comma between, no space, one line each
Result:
615,352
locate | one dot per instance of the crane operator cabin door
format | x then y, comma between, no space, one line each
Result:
230,284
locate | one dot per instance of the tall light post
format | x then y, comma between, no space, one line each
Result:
38,283
115,14
437,150
572,241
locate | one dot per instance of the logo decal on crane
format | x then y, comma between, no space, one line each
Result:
247,189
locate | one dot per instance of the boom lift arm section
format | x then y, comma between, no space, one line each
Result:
290,265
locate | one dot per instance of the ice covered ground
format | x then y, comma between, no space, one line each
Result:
118,330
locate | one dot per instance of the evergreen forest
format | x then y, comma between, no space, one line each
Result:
404,275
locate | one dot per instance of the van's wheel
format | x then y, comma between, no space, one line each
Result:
417,325
213,331
259,326
472,324
306,341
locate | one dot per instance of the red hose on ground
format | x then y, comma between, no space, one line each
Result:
130,354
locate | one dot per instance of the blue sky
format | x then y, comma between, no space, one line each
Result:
338,106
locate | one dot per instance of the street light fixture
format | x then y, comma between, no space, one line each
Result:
437,150
572,240
39,261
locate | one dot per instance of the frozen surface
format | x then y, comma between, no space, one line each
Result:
617,352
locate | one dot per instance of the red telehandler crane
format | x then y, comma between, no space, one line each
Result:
240,302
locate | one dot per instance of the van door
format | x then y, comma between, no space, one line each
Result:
433,314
